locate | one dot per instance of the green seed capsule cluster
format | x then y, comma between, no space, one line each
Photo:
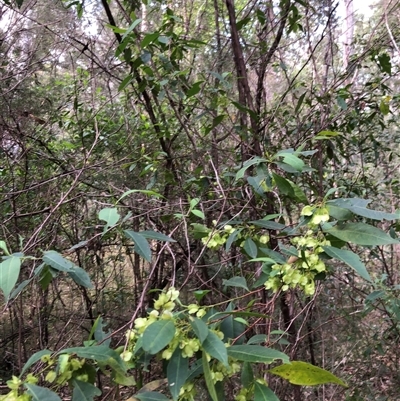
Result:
217,238
302,270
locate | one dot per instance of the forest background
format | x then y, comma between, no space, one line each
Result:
194,194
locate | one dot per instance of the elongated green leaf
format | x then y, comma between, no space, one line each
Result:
293,161
3,246
177,372
350,258
240,24
80,277
247,375
33,359
141,191
305,374
84,391
264,259
268,224
156,235
231,239
149,38
132,27
257,339
56,261
208,379
99,353
20,287
9,273
233,329
236,282
358,207
194,90
339,213
109,215
250,247
216,348
256,182
142,247
158,335
119,369
283,185
264,393
200,329
361,234
298,192
256,353
247,164
41,393
151,396
198,213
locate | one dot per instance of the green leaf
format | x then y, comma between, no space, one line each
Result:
250,247
361,234
341,103
326,135
119,369
84,391
350,258
198,213
177,371
299,102
256,353
217,120
208,379
338,213
131,28
298,192
19,288
283,185
264,393
3,246
109,215
125,82
194,90
293,161
247,164
236,281
255,183
151,396
145,56
215,347
99,353
231,239
149,38
156,235
240,24
358,207
247,376
268,224
142,247
56,261
257,339
9,273
200,329
384,63
41,393
305,374
232,328
158,335
164,39
80,277
33,359
141,191
200,294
